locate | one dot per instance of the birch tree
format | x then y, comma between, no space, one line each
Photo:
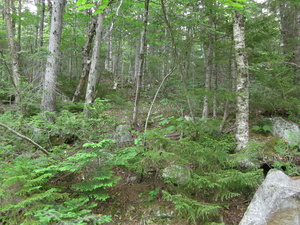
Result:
92,78
242,82
52,65
86,62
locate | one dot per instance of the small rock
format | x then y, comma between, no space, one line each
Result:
161,214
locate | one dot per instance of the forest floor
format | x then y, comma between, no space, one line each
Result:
129,203
137,200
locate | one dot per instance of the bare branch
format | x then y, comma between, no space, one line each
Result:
291,63
26,138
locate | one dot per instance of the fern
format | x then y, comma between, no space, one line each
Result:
192,209
73,211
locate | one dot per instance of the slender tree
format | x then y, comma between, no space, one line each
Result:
208,73
242,81
140,65
86,61
41,25
13,50
52,65
92,78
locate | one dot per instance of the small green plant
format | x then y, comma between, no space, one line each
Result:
152,194
264,128
287,157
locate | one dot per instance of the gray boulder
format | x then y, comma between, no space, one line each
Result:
123,134
285,130
277,201
177,174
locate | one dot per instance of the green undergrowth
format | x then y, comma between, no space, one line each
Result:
64,186
67,186
206,157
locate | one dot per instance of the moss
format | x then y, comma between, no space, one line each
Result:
269,147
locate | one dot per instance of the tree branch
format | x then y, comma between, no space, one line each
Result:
293,64
26,138
155,96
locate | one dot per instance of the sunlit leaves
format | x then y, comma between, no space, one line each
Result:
84,5
235,4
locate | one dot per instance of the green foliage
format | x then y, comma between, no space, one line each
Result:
192,209
61,188
73,211
288,154
207,156
152,194
29,185
264,128
98,107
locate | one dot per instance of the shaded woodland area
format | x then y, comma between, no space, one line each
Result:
193,83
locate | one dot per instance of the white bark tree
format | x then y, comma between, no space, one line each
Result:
242,82
52,65
92,78
208,72
86,62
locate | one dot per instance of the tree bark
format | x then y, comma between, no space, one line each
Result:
297,53
52,65
140,65
41,26
13,50
242,82
86,61
208,72
92,78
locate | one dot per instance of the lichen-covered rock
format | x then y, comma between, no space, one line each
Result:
277,201
123,134
285,130
177,174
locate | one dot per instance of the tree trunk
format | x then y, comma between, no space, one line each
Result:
52,65
137,57
41,26
86,62
208,71
92,78
242,82
19,25
13,50
140,65
297,53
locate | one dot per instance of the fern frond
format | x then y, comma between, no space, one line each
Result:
193,209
